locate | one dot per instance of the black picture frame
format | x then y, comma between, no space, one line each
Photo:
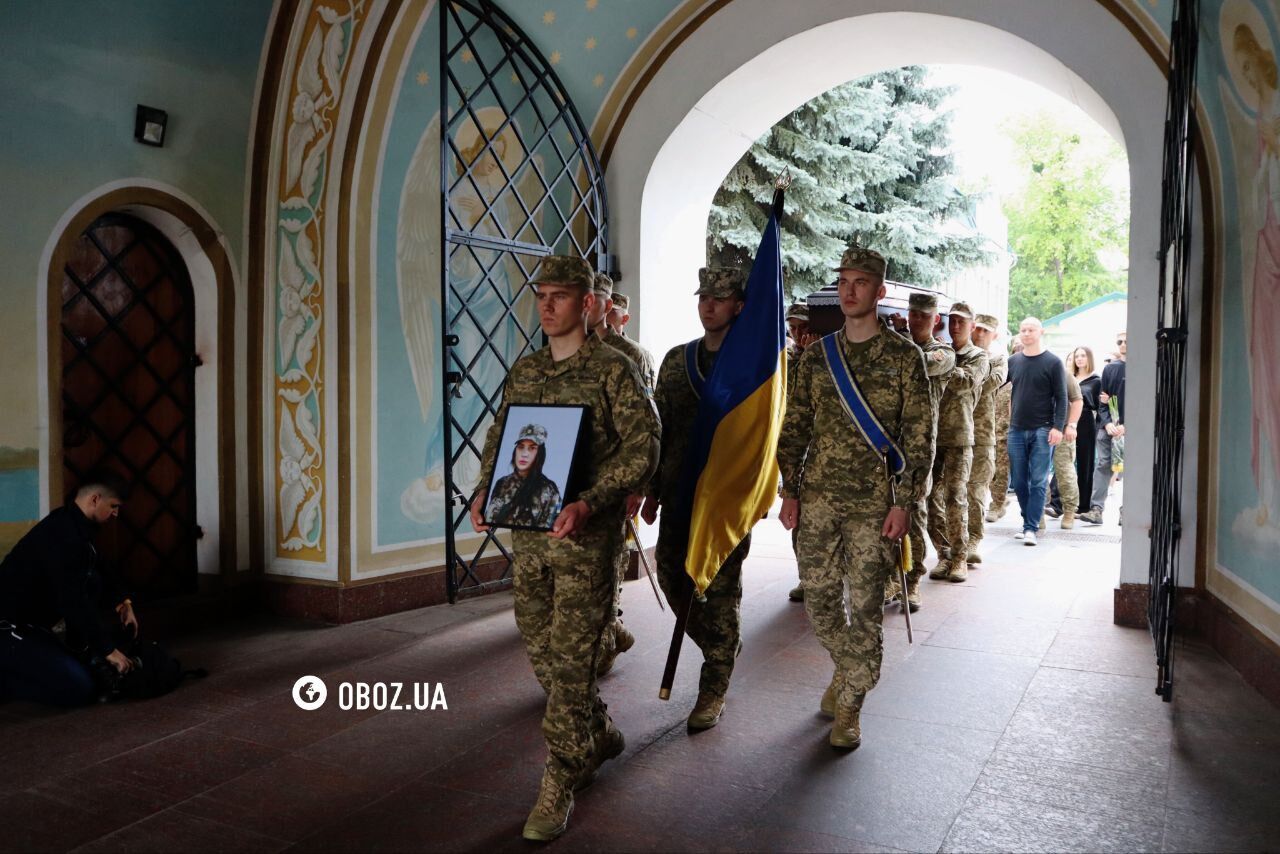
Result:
512,501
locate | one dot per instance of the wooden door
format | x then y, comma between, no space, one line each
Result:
128,395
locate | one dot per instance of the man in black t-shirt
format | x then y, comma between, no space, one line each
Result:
1039,412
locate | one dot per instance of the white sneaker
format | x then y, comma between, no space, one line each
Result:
1019,535
1029,539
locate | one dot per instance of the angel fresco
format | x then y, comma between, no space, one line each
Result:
479,205
1250,55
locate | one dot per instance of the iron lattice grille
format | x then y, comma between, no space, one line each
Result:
128,394
520,181
1171,338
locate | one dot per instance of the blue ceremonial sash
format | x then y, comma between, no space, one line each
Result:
696,380
856,406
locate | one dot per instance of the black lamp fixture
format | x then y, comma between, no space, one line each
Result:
149,125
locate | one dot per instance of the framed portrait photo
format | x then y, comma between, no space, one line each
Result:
534,468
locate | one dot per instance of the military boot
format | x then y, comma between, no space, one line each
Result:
550,815
913,593
609,744
1068,520
796,594
828,704
891,592
615,641
973,558
846,732
958,572
995,515
939,572
707,711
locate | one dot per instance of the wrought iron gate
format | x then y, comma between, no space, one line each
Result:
1171,337
520,180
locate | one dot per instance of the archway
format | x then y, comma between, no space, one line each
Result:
200,245
674,150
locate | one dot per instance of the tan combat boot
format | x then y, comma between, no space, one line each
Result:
828,704
1068,520
706,712
609,744
846,732
973,558
939,572
550,815
959,571
796,594
913,593
615,641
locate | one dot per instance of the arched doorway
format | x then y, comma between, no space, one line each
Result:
128,394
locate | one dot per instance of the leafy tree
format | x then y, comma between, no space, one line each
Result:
1070,214
869,162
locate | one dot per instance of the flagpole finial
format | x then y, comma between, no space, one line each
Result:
783,181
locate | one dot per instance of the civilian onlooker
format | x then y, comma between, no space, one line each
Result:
1110,427
1038,417
1082,368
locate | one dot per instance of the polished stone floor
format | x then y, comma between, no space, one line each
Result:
1021,719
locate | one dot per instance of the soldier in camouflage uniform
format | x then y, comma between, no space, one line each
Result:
798,337
1064,457
617,638
953,456
1000,479
835,488
620,314
985,331
564,579
939,360
526,497
714,624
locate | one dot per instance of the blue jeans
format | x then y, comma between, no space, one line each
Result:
34,666
1030,463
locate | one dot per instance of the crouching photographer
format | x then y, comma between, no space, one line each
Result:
55,576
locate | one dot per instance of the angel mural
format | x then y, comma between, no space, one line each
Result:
1250,57
480,206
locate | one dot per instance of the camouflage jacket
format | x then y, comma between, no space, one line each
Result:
633,351
620,447
1003,407
793,364
821,453
677,407
955,413
939,361
535,506
985,428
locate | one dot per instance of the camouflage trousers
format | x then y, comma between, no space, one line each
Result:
1064,469
1000,479
949,501
919,526
716,624
845,564
984,466
620,565
563,601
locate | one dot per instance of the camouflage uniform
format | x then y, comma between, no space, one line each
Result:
984,446
1064,463
638,355
798,311
714,625
844,494
538,509
1000,478
953,459
564,588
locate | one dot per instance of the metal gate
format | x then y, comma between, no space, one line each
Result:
520,180
1171,337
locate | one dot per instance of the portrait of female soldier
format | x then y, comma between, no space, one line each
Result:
526,497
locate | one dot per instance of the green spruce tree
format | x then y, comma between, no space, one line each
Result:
869,162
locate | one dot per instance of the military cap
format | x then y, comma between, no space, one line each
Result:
865,260
564,270
986,321
534,433
721,282
920,301
798,311
961,309
621,300
603,285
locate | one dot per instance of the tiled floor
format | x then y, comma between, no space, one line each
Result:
1021,719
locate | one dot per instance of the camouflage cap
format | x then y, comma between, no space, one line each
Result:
533,432
798,311
564,270
919,301
621,300
866,260
603,285
721,282
961,309
987,322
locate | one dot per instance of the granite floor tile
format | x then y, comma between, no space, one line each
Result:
998,824
171,831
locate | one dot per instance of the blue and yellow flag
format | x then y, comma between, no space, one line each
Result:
731,468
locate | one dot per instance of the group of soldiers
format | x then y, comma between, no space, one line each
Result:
967,466
848,498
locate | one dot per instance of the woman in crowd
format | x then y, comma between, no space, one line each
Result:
1080,365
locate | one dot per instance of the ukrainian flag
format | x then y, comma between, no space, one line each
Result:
731,468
